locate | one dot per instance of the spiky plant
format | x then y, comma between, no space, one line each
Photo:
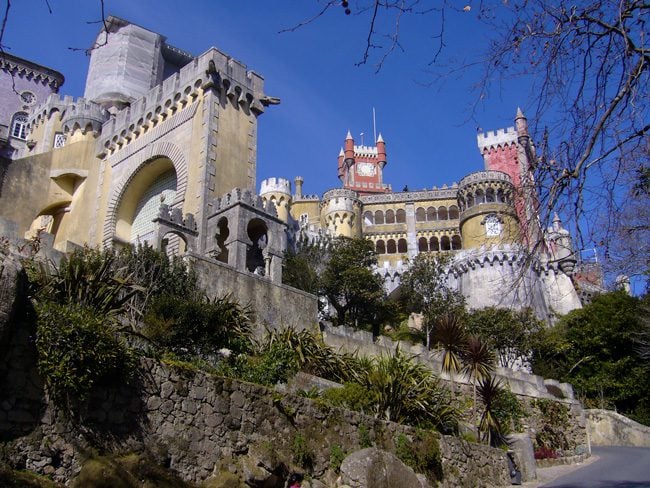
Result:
449,335
478,361
489,389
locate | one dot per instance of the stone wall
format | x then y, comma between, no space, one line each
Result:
198,425
274,305
607,428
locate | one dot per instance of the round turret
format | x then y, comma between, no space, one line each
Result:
277,191
340,211
487,213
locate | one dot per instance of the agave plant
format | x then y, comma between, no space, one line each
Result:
407,391
489,389
478,361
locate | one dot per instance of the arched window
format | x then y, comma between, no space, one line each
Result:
453,212
379,217
390,217
380,247
455,243
489,195
401,246
445,244
470,200
400,216
480,197
442,213
420,215
390,247
423,245
368,218
432,214
19,125
501,197
433,244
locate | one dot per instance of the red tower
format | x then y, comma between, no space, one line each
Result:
360,168
511,151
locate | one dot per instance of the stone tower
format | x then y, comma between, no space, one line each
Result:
360,168
278,192
511,151
487,213
340,211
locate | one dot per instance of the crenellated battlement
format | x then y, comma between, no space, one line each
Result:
493,139
275,185
76,114
211,69
365,151
243,196
443,193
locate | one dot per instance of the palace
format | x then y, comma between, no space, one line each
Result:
162,149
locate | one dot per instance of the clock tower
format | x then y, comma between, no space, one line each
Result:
361,167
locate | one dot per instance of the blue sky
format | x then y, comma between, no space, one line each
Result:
429,125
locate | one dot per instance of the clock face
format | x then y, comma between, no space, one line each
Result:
366,169
492,226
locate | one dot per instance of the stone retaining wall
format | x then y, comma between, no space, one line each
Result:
608,428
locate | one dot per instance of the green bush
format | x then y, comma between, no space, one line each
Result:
422,453
197,328
302,455
78,350
337,455
352,396
509,412
555,421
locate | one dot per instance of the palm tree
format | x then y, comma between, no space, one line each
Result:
449,334
478,361
489,389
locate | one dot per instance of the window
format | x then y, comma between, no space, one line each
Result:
368,218
420,215
379,217
432,214
391,248
19,126
390,217
402,246
380,247
400,216
453,212
434,245
442,213
455,243
59,140
423,245
445,244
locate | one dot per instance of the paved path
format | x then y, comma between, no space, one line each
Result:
608,467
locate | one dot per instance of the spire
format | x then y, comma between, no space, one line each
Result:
521,123
349,136
341,153
557,223
380,139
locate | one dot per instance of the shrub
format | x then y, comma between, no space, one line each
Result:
78,350
197,328
302,455
554,424
422,454
545,453
509,412
352,396
364,437
337,455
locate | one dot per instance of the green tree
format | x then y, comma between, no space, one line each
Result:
350,284
509,332
426,291
449,335
594,348
304,265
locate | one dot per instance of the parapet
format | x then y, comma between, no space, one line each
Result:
246,197
75,114
275,185
212,69
492,139
484,177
